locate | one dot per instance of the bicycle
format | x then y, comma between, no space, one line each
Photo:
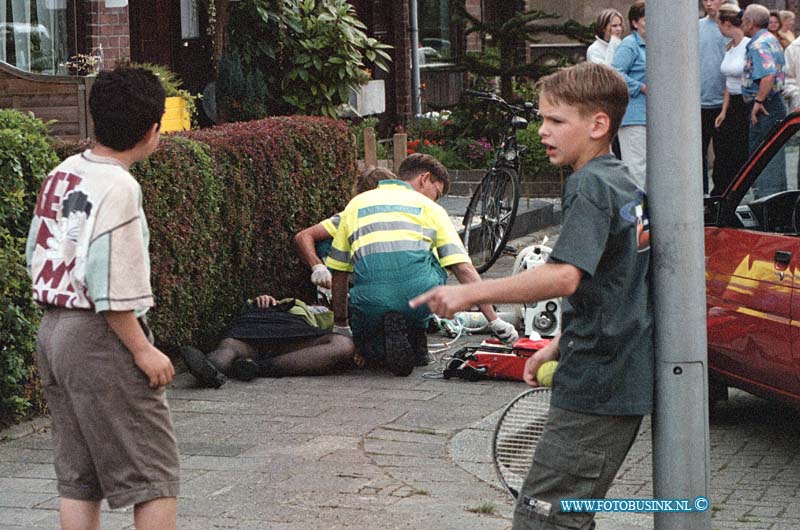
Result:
493,207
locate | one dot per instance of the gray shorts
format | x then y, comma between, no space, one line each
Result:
113,435
578,457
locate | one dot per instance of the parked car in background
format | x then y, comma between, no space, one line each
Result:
752,254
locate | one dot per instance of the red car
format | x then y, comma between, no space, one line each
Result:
753,274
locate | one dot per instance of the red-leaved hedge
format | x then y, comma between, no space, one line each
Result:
223,205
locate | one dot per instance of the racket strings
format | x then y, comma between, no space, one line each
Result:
517,433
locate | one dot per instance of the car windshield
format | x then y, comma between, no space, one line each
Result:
772,203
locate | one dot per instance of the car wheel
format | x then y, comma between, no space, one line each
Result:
717,391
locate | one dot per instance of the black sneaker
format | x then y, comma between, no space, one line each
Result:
424,358
399,354
243,369
201,368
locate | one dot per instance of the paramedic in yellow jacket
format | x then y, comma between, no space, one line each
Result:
397,242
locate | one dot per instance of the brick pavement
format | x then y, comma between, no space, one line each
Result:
370,451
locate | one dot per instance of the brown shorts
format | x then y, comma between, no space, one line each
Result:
113,435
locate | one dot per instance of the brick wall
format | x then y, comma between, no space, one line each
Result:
107,26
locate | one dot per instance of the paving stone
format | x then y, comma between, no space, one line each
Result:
366,450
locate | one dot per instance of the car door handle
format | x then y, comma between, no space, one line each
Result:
783,257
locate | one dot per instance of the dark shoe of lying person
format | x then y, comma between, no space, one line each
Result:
201,368
243,369
399,354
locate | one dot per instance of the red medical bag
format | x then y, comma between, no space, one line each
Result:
493,360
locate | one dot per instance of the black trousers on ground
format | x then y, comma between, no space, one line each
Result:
709,134
732,138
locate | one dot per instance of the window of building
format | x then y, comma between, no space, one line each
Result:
34,35
190,20
435,35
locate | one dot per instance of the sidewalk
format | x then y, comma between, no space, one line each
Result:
366,450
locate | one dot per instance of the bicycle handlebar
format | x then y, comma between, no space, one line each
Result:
497,99
479,94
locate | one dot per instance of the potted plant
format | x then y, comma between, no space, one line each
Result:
180,105
82,64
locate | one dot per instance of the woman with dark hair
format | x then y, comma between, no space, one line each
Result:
733,120
630,61
774,25
608,32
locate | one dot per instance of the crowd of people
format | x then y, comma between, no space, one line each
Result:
749,68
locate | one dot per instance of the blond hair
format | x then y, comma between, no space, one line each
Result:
591,88
605,18
730,13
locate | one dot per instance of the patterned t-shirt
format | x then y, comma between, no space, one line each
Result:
87,245
764,56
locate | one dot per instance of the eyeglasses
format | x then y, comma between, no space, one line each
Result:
439,186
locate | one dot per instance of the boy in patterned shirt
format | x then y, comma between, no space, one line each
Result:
102,377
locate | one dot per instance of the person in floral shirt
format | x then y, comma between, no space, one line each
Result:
762,89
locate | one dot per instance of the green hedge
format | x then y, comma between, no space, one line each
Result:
25,158
222,206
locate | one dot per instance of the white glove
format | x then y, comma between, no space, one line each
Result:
343,330
504,331
321,276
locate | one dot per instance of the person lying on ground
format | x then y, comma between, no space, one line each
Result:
273,338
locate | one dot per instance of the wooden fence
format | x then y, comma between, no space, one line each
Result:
63,99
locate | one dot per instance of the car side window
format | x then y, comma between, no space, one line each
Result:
772,204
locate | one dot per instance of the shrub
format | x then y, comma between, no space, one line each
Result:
25,158
311,52
222,206
19,319
281,175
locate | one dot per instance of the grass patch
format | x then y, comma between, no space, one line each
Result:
486,508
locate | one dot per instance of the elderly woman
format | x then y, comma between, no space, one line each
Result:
630,61
733,120
786,31
608,32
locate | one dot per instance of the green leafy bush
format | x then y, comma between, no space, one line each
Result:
25,158
242,96
19,319
311,52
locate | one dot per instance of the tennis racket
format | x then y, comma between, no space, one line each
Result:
517,433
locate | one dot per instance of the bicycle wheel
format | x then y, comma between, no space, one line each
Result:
490,217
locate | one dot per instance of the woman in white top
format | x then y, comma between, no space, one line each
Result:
608,32
733,120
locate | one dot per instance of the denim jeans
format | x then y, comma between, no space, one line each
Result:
773,178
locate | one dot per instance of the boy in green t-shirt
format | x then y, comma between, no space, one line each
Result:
604,382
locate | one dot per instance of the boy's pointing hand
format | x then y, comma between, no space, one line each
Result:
445,301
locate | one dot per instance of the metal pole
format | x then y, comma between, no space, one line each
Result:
675,192
415,83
